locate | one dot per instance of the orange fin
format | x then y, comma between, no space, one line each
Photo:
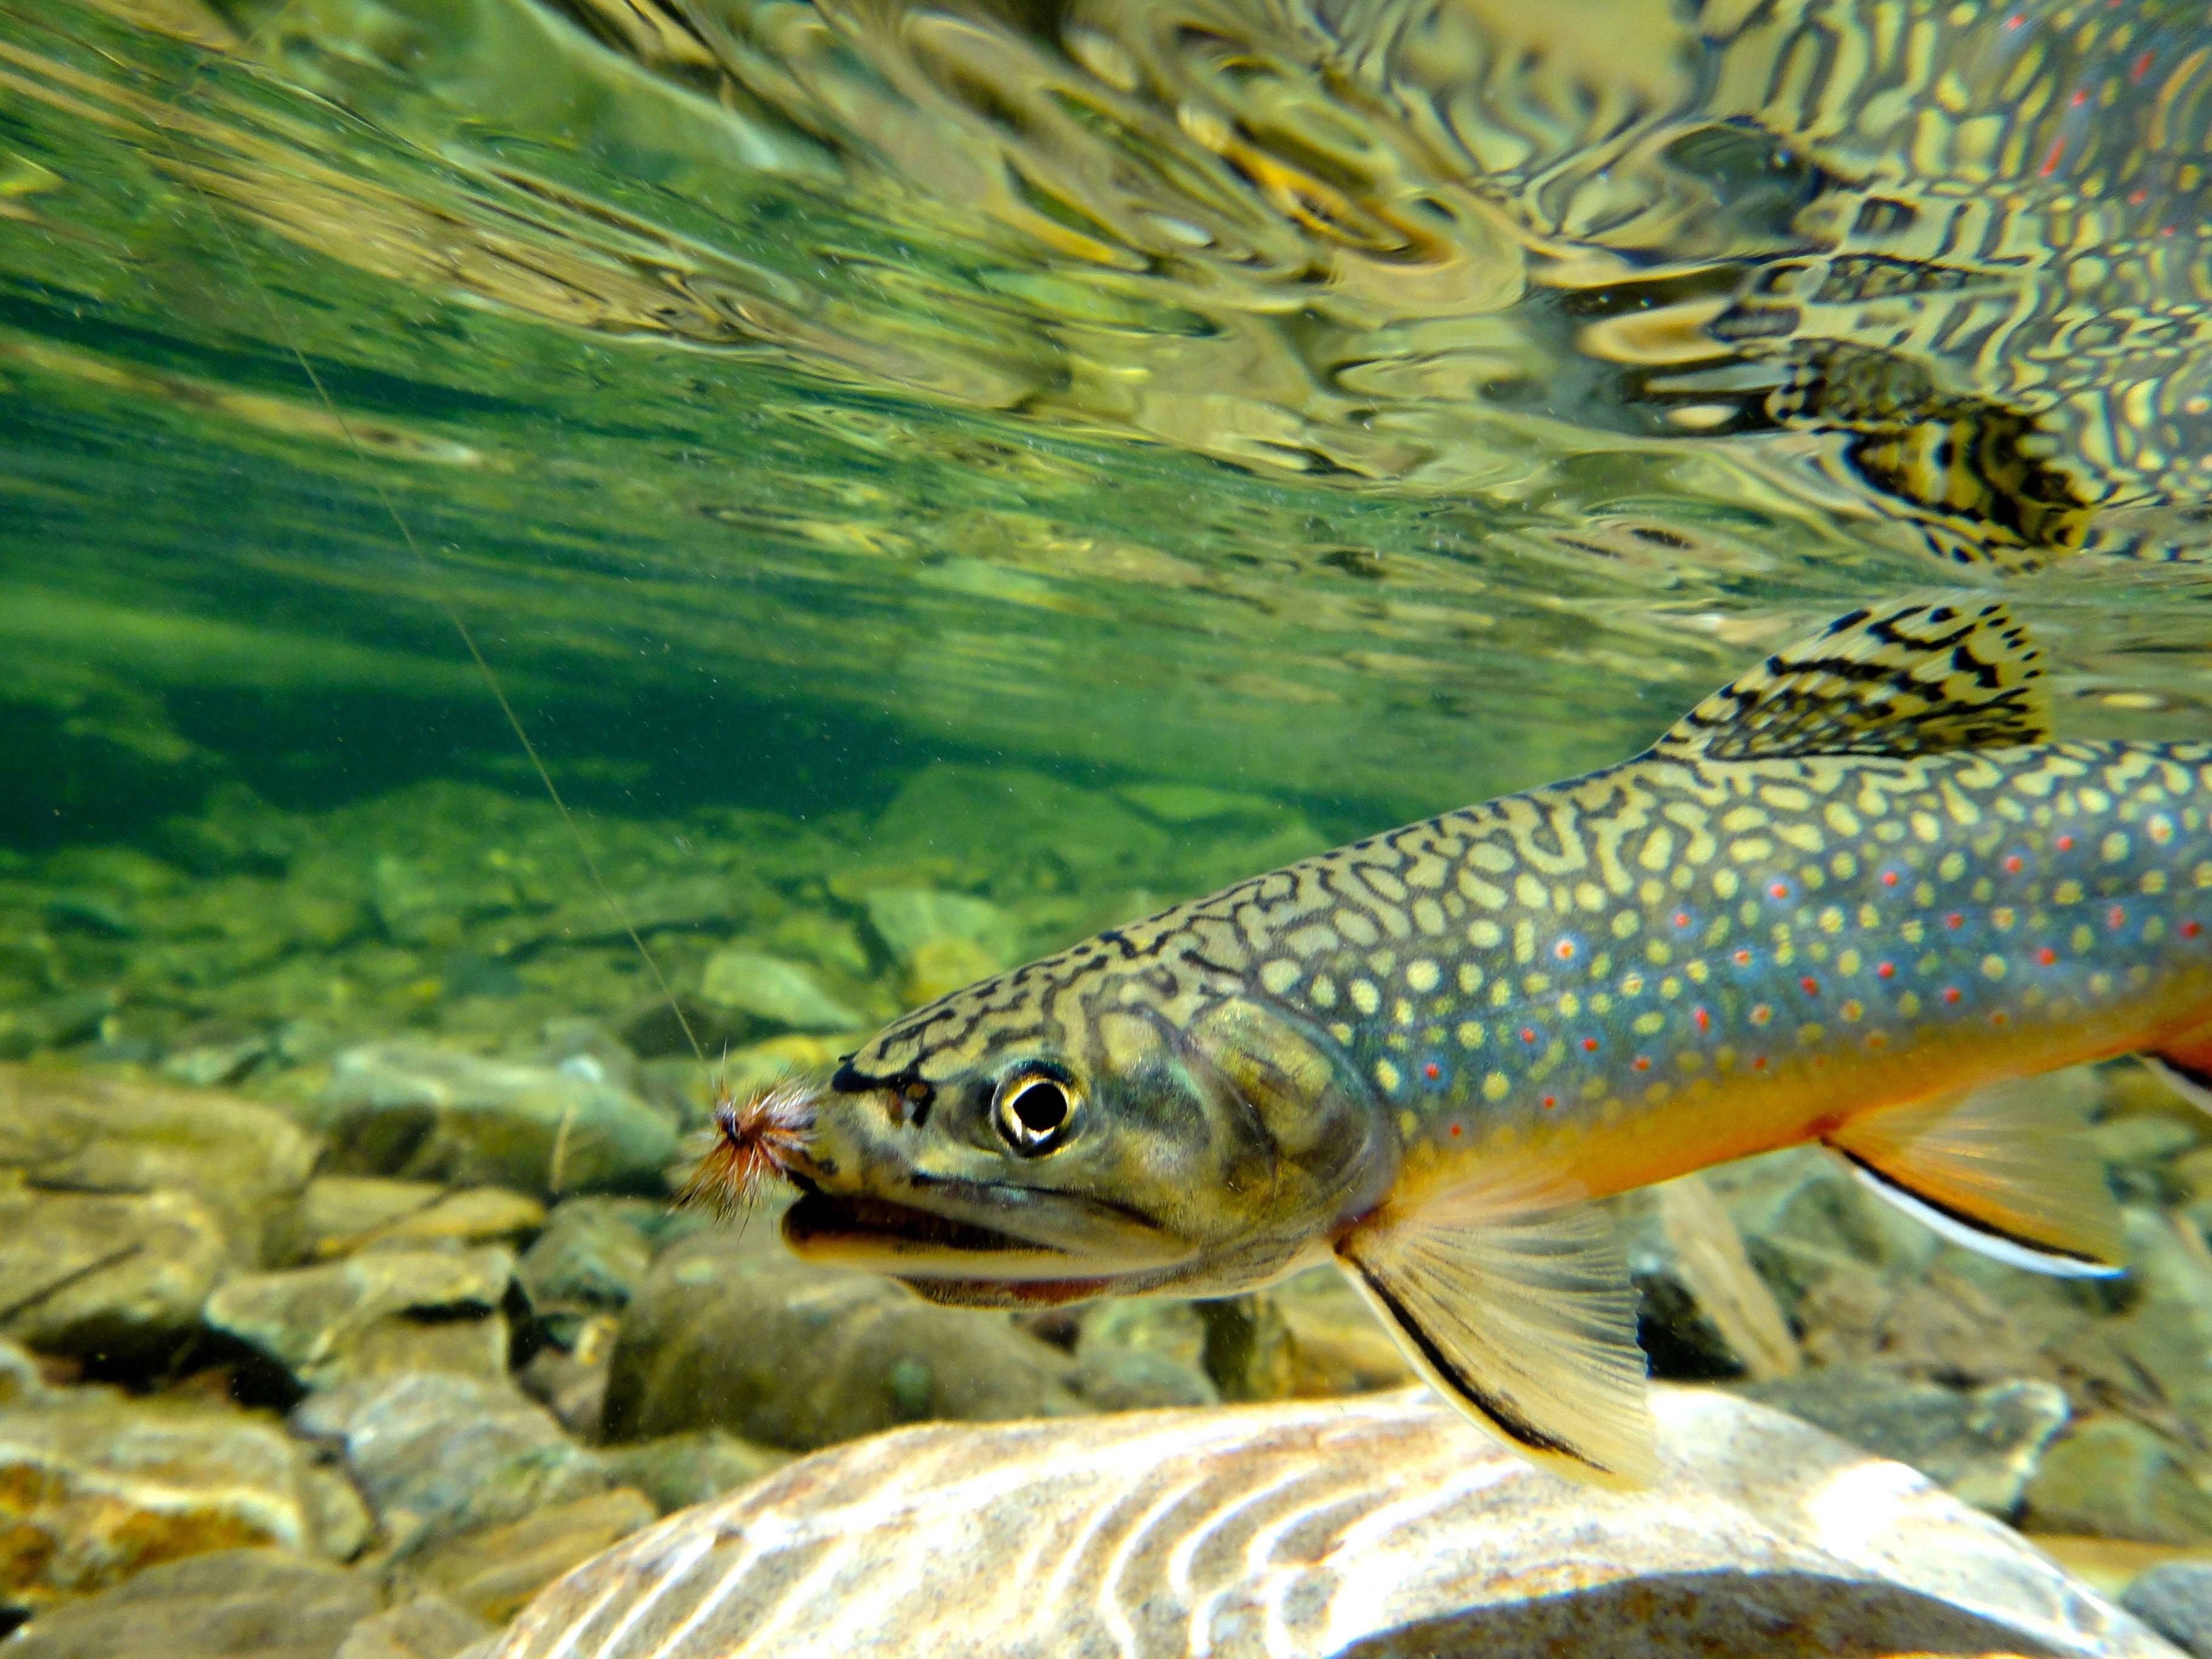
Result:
1511,1298
2004,1170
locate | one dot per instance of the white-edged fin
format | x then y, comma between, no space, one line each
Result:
2192,1087
1511,1298
2006,1170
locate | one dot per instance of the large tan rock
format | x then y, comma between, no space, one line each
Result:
89,1131
1382,1527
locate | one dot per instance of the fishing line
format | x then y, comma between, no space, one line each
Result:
434,578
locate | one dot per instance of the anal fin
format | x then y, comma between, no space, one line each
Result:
1511,1298
2005,1170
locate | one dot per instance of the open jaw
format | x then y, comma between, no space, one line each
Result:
941,1258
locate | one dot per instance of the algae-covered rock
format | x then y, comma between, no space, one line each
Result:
2113,1477
437,1453
492,1572
2175,1598
422,1627
1382,1527
909,919
776,992
339,1214
590,1259
375,1312
1982,1443
95,1486
106,1276
90,1132
423,1113
231,1604
726,1333
679,1470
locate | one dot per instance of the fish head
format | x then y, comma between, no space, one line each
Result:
1069,1131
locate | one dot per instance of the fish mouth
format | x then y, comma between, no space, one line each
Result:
823,1224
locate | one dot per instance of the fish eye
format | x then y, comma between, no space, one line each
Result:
1033,1112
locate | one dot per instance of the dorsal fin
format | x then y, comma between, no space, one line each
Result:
1916,675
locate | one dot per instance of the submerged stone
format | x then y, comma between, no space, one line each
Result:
423,1627
375,1312
491,1572
95,1486
2113,1477
423,1113
437,1454
2175,1599
340,1214
90,1132
1384,1528
1982,1444
106,1276
909,919
776,992
679,1470
231,1604
727,1332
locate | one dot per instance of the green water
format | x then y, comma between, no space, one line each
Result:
1064,456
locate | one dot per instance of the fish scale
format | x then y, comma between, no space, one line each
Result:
1852,897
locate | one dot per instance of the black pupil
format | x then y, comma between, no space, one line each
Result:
1040,1107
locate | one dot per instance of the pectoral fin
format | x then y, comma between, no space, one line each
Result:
1513,1300
2004,1170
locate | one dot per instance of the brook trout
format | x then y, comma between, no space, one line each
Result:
1834,903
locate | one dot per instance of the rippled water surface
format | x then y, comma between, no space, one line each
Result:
1059,457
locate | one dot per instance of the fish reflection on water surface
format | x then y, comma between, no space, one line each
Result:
1857,896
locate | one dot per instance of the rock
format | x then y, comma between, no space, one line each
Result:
340,1214
19,1374
1336,1344
438,1453
426,1627
569,1375
106,1276
962,811
909,919
1983,1445
2175,1599
377,1312
679,1470
95,1486
1191,803
54,1022
590,1259
1173,1329
1248,1347
2116,1478
429,1114
1111,1379
1706,1312
90,1132
215,1052
776,992
491,1572
941,967
728,1332
231,1604
1385,1526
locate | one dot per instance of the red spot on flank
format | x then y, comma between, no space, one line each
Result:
1780,890
1681,918
2053,157
1952,994
1889,877
1550,1101
1741,958
1589,1045
2137,197
1877,1040
2191,929
1528,1034
1760,1013
2066,843
2047,956
1812,985
1954,919
2014,864
1454,1128
1885,970
2014,22
1643,1063
2140,67
1564,949
2115,916
2079,99
1432,1071
1759,1062
1705,1020
2000,1018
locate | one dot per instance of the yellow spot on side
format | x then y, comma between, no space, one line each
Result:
1422,975
1365,996
1494,1086
1387,1074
